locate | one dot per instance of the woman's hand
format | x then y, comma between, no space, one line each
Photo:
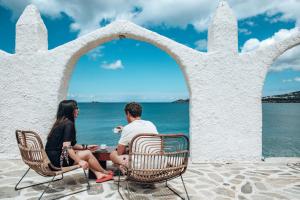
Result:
83,164
92,147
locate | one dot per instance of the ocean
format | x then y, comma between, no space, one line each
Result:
281,129
281,124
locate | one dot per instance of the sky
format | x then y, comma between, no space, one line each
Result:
130,70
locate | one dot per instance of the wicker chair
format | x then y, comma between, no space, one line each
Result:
34,155
155,158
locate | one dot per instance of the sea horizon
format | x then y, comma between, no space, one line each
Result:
279,132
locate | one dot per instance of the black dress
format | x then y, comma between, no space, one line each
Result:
65,132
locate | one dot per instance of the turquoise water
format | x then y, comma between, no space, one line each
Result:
281,129
281,124
96,120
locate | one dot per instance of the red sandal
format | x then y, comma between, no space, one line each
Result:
110,173
105,178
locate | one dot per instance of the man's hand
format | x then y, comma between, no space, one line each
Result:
83,164
118,129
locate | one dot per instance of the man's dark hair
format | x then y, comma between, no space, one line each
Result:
134,109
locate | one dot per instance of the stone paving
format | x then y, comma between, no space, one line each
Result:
260,181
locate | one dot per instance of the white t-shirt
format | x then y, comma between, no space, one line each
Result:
134,128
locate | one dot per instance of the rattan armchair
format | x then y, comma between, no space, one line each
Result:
155,158
33,154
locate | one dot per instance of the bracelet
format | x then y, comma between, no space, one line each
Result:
67,147
84,146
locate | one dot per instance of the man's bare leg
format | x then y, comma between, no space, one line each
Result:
120,160
115,158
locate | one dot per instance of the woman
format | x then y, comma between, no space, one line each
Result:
61,146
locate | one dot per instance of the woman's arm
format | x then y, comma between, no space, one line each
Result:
79,147
91,147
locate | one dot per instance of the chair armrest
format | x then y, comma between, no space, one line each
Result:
70,168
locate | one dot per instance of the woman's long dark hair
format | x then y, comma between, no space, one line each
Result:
65,112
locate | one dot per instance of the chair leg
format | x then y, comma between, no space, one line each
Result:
88,187
16,187
87,180
184,188
127,187
46,187
177,192
119,179
20,188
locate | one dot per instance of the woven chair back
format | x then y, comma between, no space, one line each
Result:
33,153
157,157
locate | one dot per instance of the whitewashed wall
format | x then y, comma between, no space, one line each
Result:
225,86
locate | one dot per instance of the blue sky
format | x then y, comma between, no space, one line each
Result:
127,70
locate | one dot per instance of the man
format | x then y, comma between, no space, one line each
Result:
134,127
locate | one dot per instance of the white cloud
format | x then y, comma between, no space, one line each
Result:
287,80
289,60
201,45
75,27
113,66
251,45
16,6
296,79
254,43
96,53
250,23
176,13
245,31
88,15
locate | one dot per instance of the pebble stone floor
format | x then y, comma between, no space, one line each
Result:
259,181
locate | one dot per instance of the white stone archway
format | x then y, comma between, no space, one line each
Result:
225,86
116,30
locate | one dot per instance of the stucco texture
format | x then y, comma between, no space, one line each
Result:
225,86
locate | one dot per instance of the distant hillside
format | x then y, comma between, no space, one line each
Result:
181,101
293,97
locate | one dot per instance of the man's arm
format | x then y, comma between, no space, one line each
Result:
121,149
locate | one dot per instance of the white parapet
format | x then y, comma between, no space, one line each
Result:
225,86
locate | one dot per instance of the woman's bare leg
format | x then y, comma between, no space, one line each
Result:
93,163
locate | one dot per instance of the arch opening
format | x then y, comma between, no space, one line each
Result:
119,30
280,107
101,115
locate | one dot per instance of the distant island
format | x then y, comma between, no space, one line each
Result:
293,97
181,101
